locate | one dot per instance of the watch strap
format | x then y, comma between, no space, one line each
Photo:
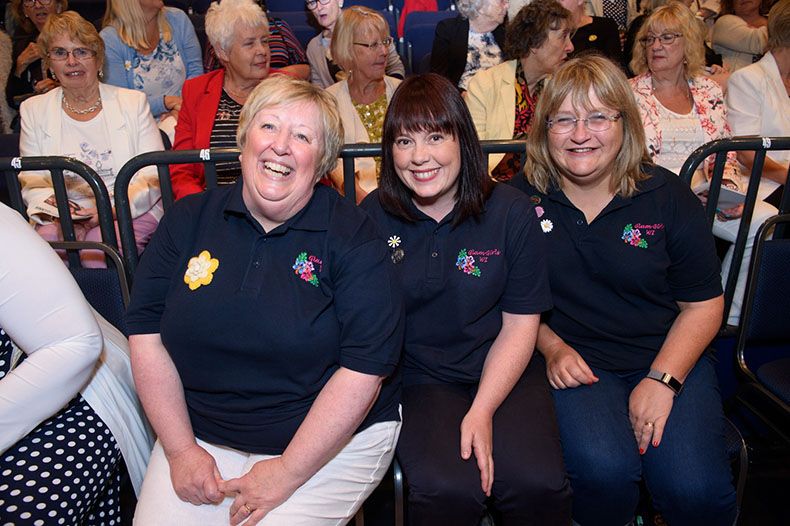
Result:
666,379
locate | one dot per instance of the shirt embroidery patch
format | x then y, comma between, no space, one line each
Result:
466,263
633,236
200,270
304,267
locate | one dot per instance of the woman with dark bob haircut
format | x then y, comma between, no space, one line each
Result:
470,257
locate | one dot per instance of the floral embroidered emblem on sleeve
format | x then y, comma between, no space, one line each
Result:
466,263
305,269
633,236
200,270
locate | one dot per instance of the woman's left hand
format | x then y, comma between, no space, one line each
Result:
477,436
648,408
264,487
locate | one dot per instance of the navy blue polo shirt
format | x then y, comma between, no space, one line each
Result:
617,280
282,312
458,280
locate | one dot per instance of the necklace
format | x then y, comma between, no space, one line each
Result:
90,109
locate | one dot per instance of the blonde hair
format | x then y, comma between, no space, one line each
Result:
673,17
126,16
575,79
281,90
18,12
222,19
71,24
779,25
351,19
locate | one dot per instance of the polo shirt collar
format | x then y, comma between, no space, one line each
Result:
313,217
648,185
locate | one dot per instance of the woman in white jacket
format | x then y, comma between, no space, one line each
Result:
68,409
100,125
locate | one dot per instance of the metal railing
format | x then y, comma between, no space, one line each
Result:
720,148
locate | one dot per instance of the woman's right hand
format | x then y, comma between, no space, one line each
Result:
28,55
566,368
195,476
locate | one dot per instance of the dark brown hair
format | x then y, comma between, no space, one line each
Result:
530,27
430,103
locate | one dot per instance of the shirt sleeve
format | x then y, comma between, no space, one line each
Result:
527,290
157,270
369,304
188,43
43,311
186,179
694,273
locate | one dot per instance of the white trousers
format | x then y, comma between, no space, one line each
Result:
331,497
728,231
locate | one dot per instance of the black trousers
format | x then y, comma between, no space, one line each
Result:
530,483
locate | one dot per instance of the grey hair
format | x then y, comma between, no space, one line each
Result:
222,19
467,8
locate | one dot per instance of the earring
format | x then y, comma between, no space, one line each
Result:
52,73
101,74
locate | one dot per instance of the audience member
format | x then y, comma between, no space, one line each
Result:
285,50
98,124
290,417
478,421
758,100
324,69
740,34
6,113
502,99
593,33
469,42
239,33
360,45
682,110
29,76
637,299
68,409
152,48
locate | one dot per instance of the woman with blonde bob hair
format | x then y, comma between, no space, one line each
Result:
152,48
299,430
637,298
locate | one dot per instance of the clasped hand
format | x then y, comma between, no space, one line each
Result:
197,480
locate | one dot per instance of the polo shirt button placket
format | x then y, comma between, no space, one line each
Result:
580,222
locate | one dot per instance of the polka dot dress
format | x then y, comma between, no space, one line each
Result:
65,471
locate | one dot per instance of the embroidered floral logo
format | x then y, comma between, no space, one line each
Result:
304,267
633,236
200,270
466,263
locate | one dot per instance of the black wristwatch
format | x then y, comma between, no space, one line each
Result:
666,379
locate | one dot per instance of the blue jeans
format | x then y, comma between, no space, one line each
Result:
688,474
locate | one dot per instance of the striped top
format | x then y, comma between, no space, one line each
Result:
223,135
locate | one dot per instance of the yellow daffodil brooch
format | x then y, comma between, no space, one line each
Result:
200,270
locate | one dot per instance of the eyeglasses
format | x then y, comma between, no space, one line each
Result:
384,42
664,38
31,3
311,4
59,54
596,122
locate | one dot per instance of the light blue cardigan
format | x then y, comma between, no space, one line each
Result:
118,56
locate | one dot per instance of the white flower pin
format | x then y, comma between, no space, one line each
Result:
394,241
546,225
127,65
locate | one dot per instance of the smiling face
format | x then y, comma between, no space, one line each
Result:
554,50
74,75
327,14
248,56
369,63
664,57
38,13
279,161
585,157
428,164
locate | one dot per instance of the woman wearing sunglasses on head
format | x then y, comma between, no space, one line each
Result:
360,46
